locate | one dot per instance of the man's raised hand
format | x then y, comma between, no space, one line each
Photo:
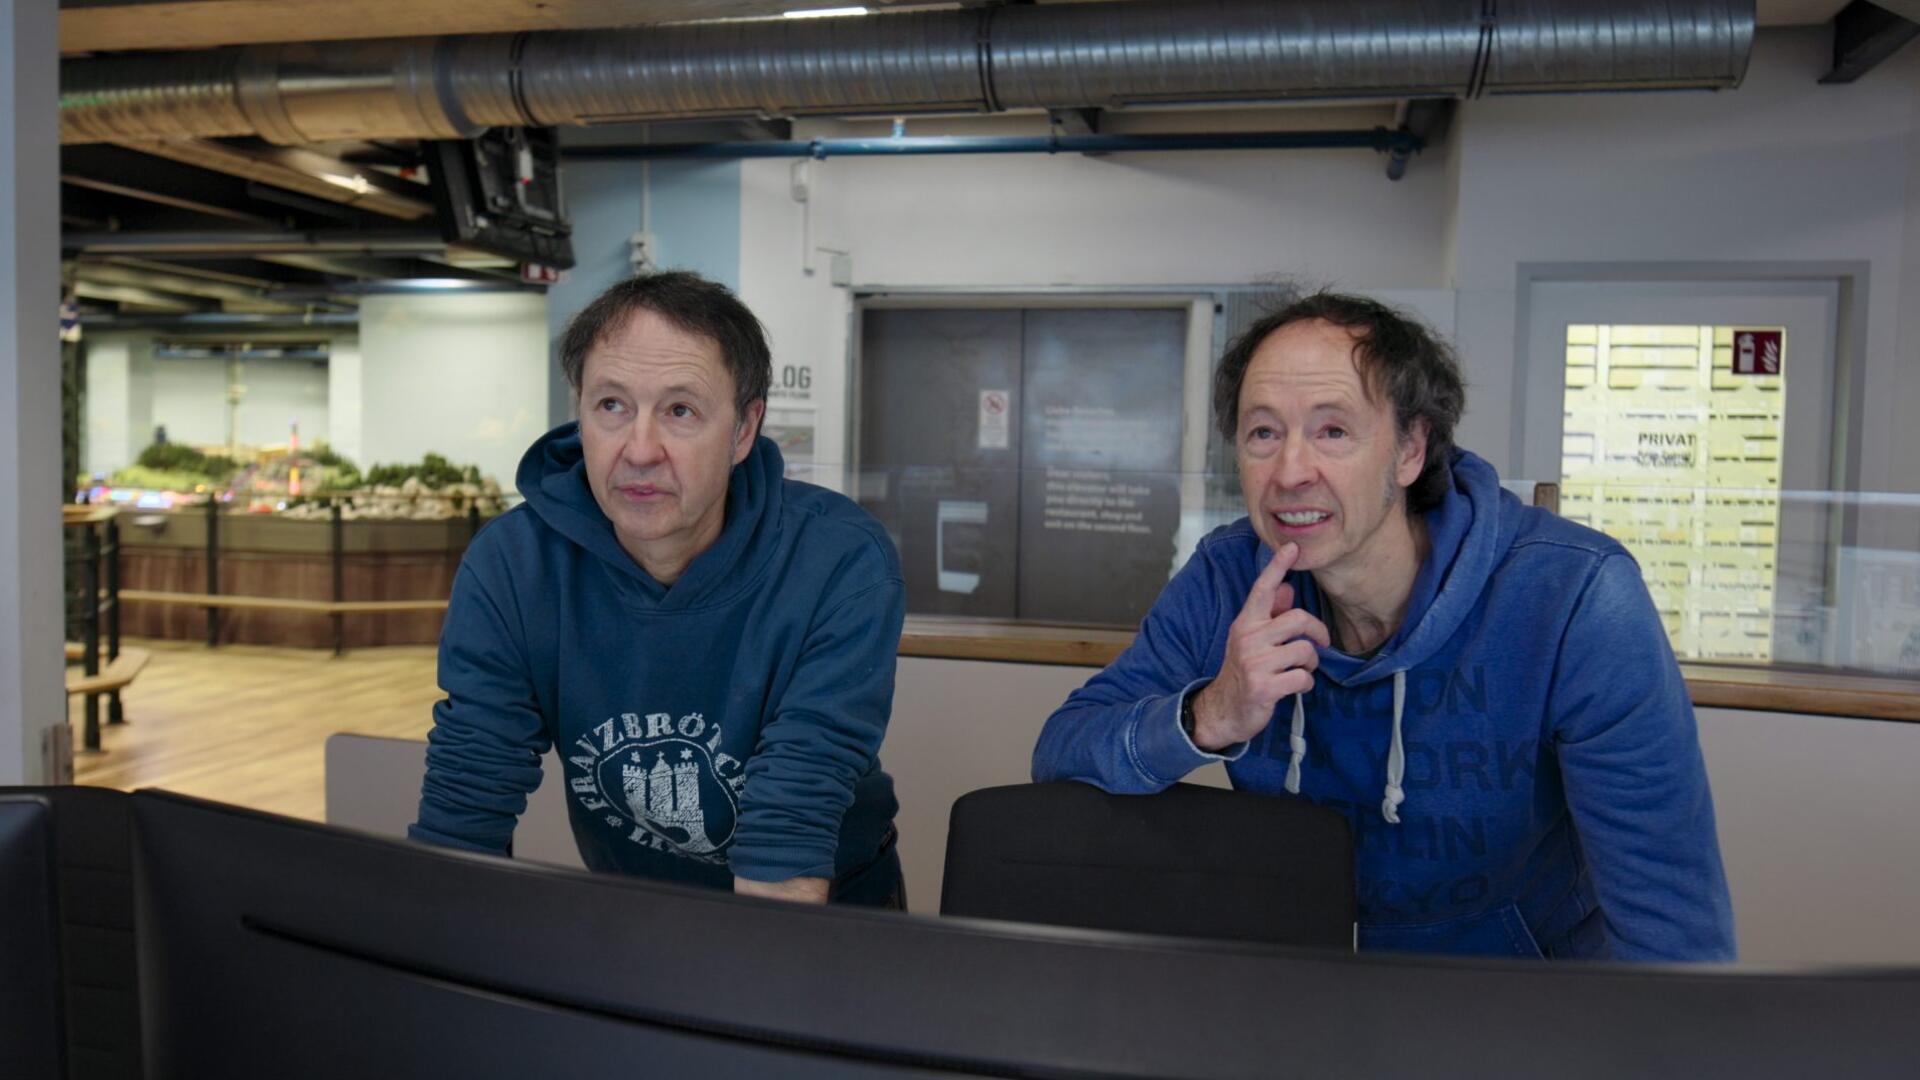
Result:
1270,656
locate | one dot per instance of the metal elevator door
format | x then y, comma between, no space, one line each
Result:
1026,462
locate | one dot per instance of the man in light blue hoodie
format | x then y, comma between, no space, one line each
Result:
708,645
1484,689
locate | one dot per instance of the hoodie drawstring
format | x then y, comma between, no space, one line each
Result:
1396,752
1298,742
1396,756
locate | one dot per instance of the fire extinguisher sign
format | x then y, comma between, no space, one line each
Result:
1756,352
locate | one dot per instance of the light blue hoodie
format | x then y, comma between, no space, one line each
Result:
1519,761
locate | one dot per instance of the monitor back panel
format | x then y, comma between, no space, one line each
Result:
274,947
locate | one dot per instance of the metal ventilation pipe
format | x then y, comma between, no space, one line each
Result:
1046,56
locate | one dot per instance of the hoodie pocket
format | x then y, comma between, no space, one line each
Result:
1498,931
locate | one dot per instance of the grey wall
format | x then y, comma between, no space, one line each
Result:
1780,170
31,698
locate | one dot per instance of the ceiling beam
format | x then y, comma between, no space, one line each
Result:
303,171
1864,34
253,244
144,299
161,199
338,270
230,296
218,196
250,273
103,25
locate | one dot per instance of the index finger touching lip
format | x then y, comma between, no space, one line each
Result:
1260,598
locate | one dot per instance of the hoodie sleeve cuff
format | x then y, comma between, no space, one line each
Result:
424,835
1161,748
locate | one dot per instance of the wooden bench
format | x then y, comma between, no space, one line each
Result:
115,676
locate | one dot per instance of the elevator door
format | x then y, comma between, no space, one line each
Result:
1026,462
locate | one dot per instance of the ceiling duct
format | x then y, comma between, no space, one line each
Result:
1031,56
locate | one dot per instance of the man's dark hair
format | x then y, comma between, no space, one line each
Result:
1399,360
690,302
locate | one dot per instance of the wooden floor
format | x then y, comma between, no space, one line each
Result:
247,724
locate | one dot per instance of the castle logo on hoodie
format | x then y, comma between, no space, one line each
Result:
662,781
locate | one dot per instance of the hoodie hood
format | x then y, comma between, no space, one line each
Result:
553,480
1465,544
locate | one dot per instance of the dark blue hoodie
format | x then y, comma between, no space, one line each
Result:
729,725
1519,760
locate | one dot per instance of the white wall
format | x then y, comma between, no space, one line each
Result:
1815,817
119,401
345,429
463,376
279,394
1779,170
129,393
190,398
1037,221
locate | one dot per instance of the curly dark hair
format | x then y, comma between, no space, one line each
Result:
1399,359
690,302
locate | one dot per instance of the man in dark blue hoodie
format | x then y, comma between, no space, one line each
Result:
708,645
1494,703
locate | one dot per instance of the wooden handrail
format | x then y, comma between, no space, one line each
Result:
75,514
279,603
1711,685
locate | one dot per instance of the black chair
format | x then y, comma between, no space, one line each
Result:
67,935
1190,861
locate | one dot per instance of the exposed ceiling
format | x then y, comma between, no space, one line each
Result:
95,25
140,207
98,25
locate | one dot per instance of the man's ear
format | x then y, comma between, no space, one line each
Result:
748,430
1413,454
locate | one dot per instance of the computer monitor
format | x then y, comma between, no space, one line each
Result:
31,1039
277,947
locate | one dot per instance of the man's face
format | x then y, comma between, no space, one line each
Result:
660,434
1321,464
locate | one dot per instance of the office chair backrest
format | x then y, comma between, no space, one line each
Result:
1190,861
